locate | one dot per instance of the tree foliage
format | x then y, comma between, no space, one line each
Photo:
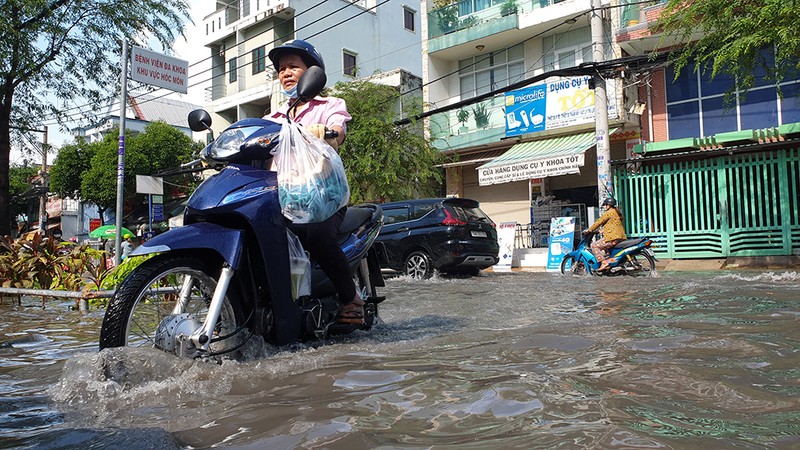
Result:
89,170
384,161
56,55
70,164
730,37
21,191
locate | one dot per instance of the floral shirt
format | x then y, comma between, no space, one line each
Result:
612,225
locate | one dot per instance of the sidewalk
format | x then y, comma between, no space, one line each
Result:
700,265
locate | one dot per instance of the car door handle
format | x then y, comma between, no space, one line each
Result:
403,229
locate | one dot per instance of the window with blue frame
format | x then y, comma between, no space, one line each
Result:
698,106
790,105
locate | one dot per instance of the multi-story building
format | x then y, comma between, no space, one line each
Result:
356,38
718,171
704,177
475,47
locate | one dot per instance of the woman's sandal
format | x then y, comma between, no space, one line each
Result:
352,312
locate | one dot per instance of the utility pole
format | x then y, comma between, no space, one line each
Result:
605,184
45,186
123,112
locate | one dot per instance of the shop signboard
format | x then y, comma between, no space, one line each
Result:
506,233
562,234
556,104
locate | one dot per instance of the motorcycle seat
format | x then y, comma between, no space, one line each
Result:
354,218
629,243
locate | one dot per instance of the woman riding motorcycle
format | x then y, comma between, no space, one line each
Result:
318,115
613,232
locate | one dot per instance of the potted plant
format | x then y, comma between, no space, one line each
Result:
481,115
508,7
447,18
462,115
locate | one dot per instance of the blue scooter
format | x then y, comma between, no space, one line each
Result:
629,257
209,286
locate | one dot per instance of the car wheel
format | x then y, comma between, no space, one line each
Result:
418,265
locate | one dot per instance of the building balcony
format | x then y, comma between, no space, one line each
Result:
483,123
637,33
232,15
470,20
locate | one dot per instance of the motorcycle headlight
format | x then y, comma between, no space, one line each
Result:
229,142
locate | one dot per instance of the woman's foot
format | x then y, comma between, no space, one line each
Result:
352,312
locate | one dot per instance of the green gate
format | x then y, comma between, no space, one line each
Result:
733,205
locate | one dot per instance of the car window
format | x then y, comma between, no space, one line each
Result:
470,214
422,209
395,215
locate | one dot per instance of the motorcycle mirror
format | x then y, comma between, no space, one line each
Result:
311,83
199,120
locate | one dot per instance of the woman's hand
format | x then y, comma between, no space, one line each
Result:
318,130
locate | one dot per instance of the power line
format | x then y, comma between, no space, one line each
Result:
80,114
609,68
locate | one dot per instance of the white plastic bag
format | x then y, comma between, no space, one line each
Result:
312,184
299,266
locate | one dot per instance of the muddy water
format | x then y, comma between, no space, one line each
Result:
520,360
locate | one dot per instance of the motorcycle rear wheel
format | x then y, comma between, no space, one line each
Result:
367,290
571,266
638,267
150,293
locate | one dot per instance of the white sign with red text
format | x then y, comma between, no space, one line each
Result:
159,70
506,233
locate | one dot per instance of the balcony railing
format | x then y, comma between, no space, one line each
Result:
488,114
218,23
464,14
636,12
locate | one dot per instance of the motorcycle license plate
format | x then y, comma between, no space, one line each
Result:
478,233
649,252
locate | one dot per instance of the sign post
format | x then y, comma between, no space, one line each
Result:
123,112
154,69
150,186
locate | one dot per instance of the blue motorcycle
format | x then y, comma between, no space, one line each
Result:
211,285
629,257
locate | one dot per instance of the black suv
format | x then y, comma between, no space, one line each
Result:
451,235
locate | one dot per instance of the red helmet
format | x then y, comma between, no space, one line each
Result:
298,47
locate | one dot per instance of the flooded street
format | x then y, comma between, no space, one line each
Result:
685,360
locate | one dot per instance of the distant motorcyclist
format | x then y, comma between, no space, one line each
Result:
613,232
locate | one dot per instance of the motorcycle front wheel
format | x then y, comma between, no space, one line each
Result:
150,294
571,266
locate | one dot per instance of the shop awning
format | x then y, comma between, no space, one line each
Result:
472,158
538,159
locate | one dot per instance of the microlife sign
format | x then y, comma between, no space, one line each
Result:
159,70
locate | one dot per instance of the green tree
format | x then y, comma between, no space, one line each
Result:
23,197
384,161
89,171
728,37
98,184
56,54
68,168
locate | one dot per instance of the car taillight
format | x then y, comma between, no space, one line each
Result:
450,220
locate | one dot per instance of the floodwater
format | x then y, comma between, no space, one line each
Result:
500,361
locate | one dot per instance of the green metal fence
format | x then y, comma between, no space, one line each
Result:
732,205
